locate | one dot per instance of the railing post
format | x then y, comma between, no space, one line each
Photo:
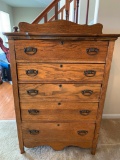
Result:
67,7
77,11
56,11
74,10
88,2
45,18
62,15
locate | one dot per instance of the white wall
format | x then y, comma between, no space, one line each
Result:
6,8
83,10
109,16
27,14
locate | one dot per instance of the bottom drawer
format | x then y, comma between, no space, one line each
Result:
56,145
58,132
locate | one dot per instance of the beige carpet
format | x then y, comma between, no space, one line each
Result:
108,147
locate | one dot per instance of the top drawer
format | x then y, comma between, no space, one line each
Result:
57,50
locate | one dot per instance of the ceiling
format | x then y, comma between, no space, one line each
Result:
28,3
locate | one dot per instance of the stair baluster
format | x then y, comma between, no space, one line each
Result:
88,2
77,11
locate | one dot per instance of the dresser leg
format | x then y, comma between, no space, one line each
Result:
93,151
22,150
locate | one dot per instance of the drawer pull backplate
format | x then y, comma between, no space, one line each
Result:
89,73
92,51
32,92
87,92
34,132
31,72
85,112
82,132
30,50
33,111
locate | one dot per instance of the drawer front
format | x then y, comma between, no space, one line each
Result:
49,132
58,145
60,72
57,50
58,111
54,92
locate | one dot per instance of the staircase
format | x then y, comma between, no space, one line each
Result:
63,12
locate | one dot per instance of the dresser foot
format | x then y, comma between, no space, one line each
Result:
93,151
22,150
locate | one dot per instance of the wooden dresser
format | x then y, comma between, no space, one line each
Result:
60,73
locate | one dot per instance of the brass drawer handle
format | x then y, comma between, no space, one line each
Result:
32,92
85,112
92,51
87,92
30,50
82,132
33,111
90,73
34,132
31,72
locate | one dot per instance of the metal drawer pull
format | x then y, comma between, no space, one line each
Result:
85,112
31,72
87,92
34,132
92,51
32,92
82,132
33,111
30,50
90,73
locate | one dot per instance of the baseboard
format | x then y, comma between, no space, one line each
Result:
111,116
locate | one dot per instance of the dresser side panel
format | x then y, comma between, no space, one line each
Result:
15,93
103,93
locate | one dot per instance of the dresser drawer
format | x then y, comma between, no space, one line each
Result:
58,111
49,132
28,72
62,51
54,92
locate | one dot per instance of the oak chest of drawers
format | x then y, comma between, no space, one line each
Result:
59,82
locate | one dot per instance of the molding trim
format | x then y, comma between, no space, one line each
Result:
110,116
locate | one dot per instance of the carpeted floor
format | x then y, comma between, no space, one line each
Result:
108,147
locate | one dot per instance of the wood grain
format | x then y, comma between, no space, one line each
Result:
60,26
60,72
54,92
59,111
7,111
54,44
66,132
16,94
57,145
103,94
60,50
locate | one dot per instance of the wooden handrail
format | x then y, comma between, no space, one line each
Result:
54,4
44,13
60,11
